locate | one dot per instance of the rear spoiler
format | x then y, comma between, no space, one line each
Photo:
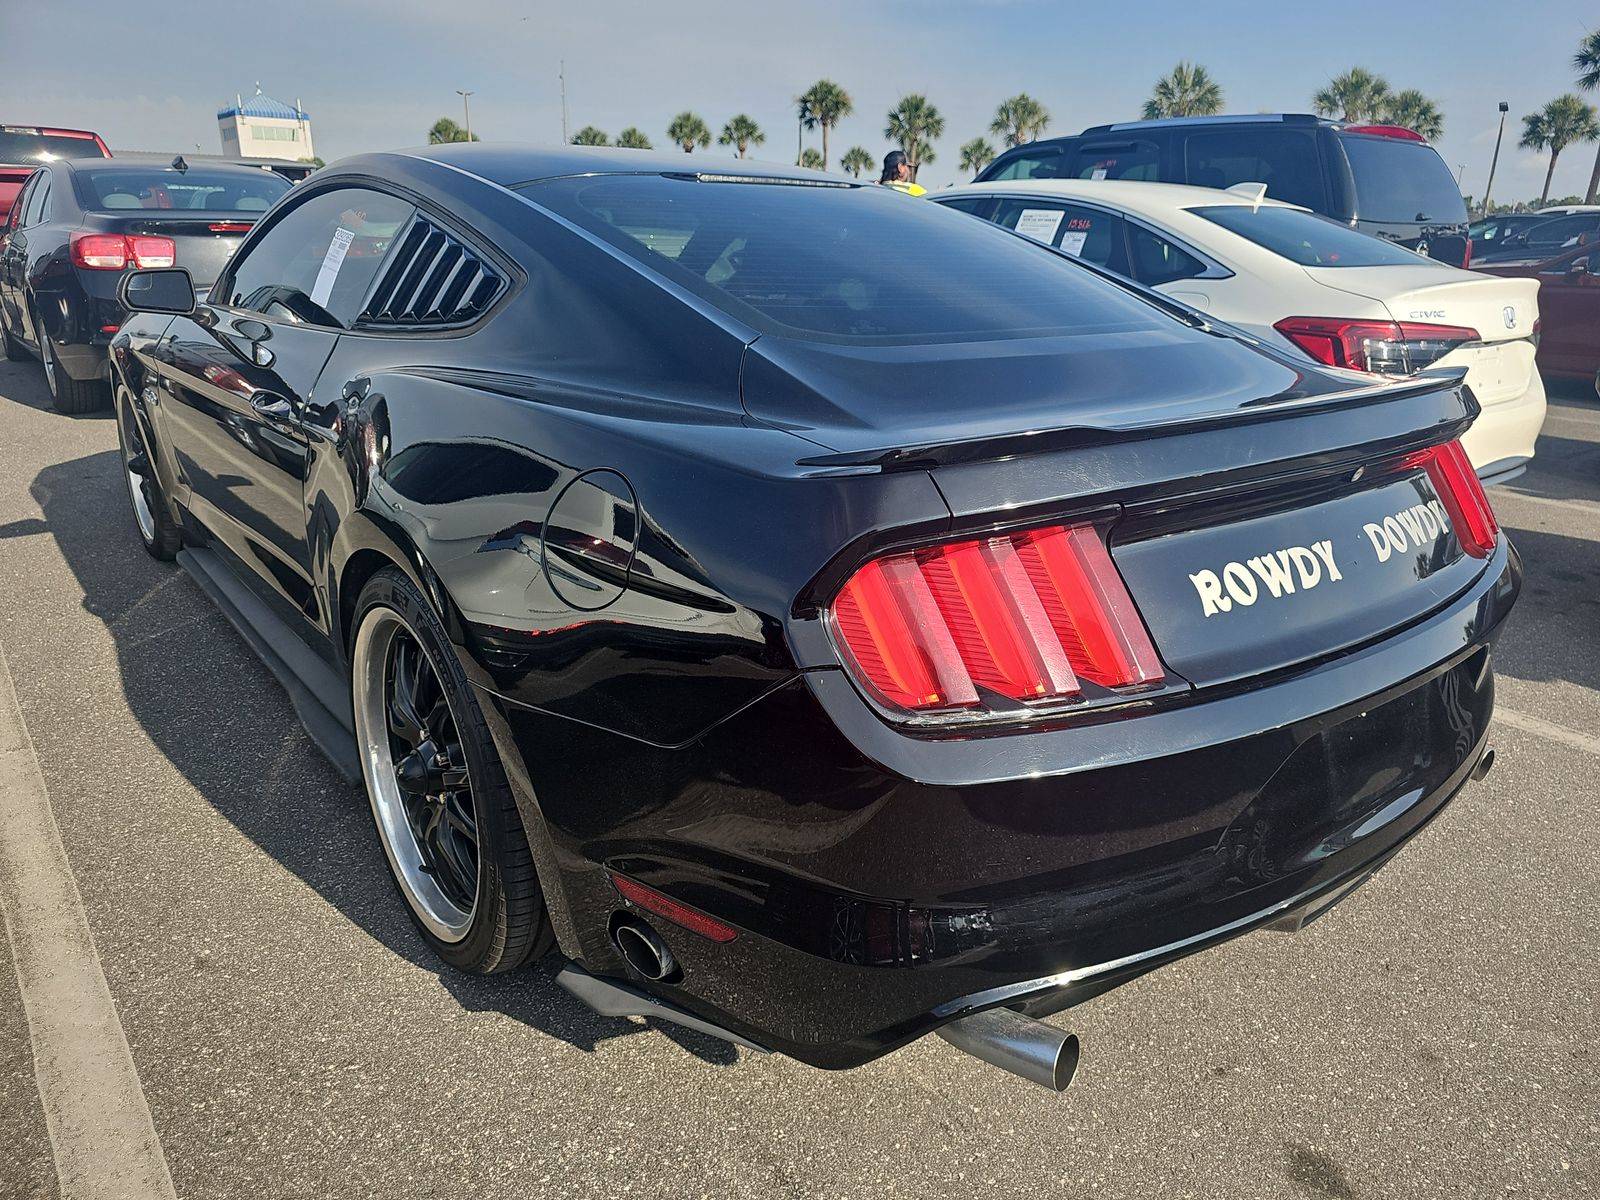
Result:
1291,403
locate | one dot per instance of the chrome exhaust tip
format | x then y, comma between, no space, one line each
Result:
642,949
1028,1048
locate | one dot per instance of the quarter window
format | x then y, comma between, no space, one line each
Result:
316,263
38,204
1157,260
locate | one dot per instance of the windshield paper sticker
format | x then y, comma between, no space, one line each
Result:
1040,223
331,262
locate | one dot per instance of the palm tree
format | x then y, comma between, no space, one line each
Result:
1357,95
913,124
633,138
811,158
1416,112
976,155
590,136
1565,120
445,130
1019,119
856,160
1188,92
825,103
741,133
1587,63
688,130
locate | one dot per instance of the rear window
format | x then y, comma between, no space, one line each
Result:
842,263
1308,239
20,145
1285,160
110,189
1401,181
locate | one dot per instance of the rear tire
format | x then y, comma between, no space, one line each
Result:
158,534
446,817
70,396
15,350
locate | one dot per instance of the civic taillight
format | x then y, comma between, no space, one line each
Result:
1461,493
116,251
980,625
1377,347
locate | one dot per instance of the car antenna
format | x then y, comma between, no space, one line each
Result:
178,164
1253,192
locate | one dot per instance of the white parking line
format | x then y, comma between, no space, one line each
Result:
101,1135
1548,729
1589,508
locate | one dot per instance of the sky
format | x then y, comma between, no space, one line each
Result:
375,74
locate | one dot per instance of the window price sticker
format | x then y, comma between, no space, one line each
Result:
331,262
1040,223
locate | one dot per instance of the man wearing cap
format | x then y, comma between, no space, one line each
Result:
897,174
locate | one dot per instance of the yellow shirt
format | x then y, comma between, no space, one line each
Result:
910,189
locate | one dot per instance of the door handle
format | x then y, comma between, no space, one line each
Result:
273,408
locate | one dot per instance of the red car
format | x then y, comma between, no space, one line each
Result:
1569,310
24,147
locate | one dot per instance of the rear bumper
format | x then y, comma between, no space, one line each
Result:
883,884
1501,441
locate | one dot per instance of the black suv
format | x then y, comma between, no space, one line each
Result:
1382,179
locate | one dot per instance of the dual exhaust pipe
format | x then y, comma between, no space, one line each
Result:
1002,1038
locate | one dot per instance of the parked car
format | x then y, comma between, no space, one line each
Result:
1569,304
24,147
823,617
78,225
1488,233
1544,239
1290,276
1381,179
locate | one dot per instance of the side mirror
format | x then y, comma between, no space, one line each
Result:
169,290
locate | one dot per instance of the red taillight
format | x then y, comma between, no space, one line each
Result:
230,227
1466,255
99,251
116,251
1392,131
669,909
1023,616
1461,493
1377,347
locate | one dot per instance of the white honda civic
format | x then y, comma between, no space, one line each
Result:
1289,276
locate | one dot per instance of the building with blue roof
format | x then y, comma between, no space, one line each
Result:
262,127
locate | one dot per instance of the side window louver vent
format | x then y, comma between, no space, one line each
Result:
431,279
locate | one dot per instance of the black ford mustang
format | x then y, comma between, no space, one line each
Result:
823,617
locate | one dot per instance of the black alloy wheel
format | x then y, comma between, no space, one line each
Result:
444,811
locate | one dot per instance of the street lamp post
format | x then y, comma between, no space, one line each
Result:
466,110
1495,161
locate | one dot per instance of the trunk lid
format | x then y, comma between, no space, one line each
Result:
1500,363
202,241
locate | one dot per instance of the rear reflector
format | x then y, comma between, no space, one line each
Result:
1023,618
1461,493
1377,347
116,251
669,909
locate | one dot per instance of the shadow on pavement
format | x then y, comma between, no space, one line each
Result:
244,751
23,383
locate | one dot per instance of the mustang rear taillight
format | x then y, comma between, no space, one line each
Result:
1377,347
116,251
1461,493
970,626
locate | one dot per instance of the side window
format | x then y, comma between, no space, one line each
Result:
1157,260
1117,160
976,205
1046,164
1557,233
1082,232
38,196
19,206
1284,160
316,263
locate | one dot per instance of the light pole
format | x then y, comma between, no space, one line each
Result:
1495,161
466,110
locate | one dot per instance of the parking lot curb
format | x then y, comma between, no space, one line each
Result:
102,1137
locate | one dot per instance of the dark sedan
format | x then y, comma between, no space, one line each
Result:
821,617
78,225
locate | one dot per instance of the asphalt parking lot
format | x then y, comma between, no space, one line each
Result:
289,1036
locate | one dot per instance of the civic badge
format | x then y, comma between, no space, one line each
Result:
1510,314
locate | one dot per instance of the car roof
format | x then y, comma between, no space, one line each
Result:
511,163
1132,195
